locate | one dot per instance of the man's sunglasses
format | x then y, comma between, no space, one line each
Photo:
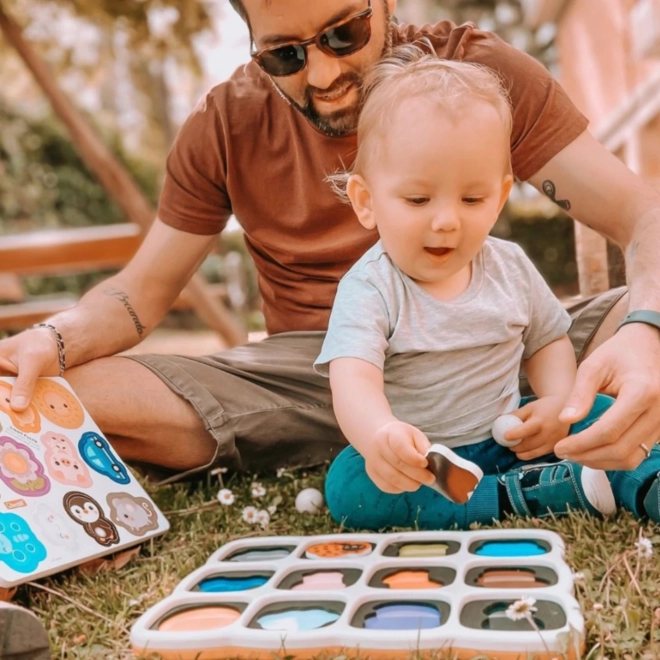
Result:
340,40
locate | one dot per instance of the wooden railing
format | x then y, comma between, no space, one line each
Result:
64,251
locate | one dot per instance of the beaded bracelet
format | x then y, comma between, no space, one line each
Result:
59,341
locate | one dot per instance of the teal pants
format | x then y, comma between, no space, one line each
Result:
356,502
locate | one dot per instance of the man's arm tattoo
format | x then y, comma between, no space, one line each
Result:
123,298
550,190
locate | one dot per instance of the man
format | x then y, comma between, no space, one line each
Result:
260,146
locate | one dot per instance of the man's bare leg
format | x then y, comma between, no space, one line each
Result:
608,326
142,417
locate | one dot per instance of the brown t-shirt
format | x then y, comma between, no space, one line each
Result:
245,151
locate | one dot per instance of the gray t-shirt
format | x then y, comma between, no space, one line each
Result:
450,367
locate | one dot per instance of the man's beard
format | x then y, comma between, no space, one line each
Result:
341,122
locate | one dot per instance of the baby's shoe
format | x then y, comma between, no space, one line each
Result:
544,489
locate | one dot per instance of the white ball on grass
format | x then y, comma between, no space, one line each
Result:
309,500
501,425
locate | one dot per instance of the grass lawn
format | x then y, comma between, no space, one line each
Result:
90,616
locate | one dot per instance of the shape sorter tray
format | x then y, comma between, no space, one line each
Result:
386,595
65,495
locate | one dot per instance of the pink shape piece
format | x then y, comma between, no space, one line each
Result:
322,580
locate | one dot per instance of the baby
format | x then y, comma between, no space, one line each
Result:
429,327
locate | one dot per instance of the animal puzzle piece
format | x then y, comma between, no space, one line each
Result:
53,526
403,616
455,477
335,550
58,404
20,469
63,462
135,514
96,452
27,420
87,512
297,619
20,549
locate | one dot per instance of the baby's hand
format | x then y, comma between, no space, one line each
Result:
541,429
395,460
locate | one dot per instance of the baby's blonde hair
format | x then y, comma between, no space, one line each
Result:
415,70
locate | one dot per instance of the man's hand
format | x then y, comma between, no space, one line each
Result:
541,428
395,459
28,355
627,367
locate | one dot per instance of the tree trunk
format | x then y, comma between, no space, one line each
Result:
113,176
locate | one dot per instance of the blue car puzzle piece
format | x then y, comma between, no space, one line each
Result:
20,549
96,452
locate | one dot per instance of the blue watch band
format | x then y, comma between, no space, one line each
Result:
642,316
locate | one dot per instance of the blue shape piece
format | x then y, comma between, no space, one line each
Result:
96,452
20,549
403,616
295,620
260,554
511,549
222,584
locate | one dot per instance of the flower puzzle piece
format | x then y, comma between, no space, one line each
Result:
384,595
21,470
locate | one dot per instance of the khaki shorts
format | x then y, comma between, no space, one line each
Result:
265,405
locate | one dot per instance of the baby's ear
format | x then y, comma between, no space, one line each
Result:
507,184
360,195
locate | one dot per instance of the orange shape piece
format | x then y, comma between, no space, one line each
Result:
57,404
411,580
197,619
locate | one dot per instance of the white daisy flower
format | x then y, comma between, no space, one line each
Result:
225,496
644,547
263,518
250,515
521,609
578,576
271,509
258,490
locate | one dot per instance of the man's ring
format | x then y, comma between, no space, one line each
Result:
645,448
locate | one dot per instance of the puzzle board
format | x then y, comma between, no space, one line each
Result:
386,595
65,496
